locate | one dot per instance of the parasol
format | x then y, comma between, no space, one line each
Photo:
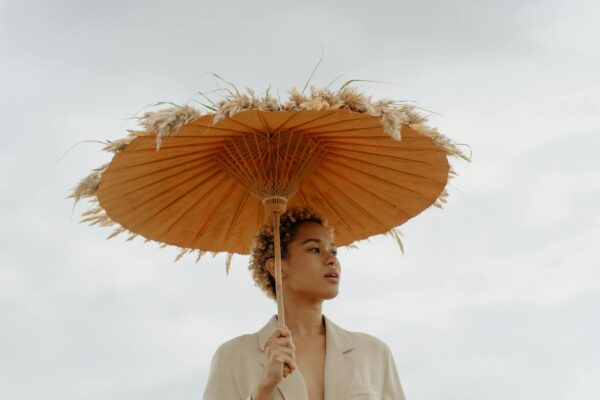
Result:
206,181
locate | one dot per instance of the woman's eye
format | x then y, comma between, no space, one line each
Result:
315,248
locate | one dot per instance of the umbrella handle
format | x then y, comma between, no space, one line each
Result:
278,284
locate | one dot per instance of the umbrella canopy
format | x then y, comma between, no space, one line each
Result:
208,181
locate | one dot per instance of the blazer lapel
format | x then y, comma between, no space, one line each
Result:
339,362
293,386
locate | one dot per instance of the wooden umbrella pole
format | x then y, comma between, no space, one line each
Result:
278,284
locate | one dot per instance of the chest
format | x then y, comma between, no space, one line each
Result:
310,358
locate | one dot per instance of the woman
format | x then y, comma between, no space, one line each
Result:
326,361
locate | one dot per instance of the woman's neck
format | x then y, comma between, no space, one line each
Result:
304,320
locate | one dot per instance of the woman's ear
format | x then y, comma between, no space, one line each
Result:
270,265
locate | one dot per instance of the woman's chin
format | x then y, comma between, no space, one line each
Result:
323,294
330,294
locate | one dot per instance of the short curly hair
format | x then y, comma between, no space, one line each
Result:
263,246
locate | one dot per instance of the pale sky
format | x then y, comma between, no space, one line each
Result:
496,296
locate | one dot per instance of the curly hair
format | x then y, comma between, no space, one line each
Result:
263,246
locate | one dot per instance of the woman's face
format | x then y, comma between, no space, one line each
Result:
310,263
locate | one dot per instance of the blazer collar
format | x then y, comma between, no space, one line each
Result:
339,363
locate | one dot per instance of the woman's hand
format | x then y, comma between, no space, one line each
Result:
279,352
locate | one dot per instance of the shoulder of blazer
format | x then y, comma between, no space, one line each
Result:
236,346
369,346
364,339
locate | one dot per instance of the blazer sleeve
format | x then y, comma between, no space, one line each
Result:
221,383
392,389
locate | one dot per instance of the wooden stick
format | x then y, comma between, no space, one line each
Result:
278,284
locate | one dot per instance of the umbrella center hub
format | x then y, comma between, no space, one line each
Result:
272,164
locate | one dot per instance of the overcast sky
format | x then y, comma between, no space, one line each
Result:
496,296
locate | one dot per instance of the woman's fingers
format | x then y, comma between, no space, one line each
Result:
279,349
275,349
282,358
284,341
280,332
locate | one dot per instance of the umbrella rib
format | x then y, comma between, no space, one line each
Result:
260,215
237,213
310,147
248,127
351,201
263,121
253,160
378,154
323,125
259,156
397,144
238,163
177,198
167,190
315,132
193,153
375,195
208,128
360,137
200,229
194,204
179,146
278,159
293,156
304,198
387,168
287,154
270,171
318,192
280,127
376,177
313,120
135,178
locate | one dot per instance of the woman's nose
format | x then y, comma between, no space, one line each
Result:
332,259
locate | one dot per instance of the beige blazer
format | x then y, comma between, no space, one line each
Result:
357,366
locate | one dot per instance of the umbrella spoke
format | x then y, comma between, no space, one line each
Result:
395,170
158,181
333,209
237,213
376,177
201,228
193,205
248,127
217,128
325,133
363,188
320,117
352,201
369,153
208,153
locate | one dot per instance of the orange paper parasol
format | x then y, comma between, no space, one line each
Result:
207,182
